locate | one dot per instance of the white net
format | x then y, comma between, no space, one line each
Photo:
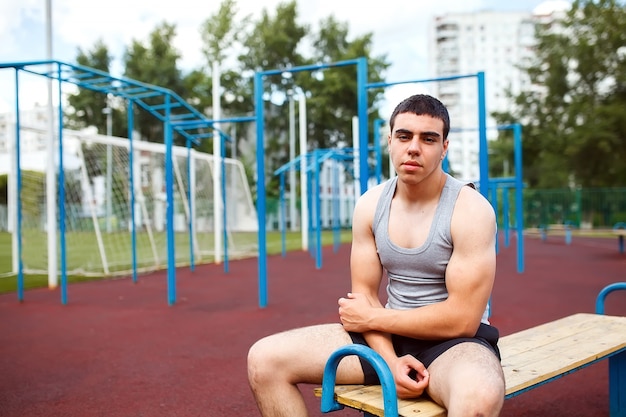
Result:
98,209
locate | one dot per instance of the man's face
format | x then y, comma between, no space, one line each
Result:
416,146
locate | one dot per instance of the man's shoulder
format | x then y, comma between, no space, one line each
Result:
366,204
374,192
472,204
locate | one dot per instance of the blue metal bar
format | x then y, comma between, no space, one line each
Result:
314,67
309,197
617,363
165,106
131,161
482,133
494,203
169,188
141,96
123,90
378,123
261,198
318,217
505,216
601,298
283,214
361,77
617,385
192,124
224,208
389,84
328,402
336,207
235,119
18,169
503,181
293,163
61,179
519,186
181,116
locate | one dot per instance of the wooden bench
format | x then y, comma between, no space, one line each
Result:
530,358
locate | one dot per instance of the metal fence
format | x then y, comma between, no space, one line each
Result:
590,208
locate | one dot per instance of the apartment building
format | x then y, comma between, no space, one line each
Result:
495,42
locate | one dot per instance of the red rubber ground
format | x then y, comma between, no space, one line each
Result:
118,350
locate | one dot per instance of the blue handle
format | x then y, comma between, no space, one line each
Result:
390,399
604,292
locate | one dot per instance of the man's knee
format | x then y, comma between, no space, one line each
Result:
260,361
485,400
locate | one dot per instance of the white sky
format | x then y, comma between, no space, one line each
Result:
400,30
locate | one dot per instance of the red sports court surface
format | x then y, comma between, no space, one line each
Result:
118,350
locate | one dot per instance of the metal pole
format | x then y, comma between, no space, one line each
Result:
361,77
217,167
519,187
260,180
292,170
170,212
109,192
482,133
304,188
51,201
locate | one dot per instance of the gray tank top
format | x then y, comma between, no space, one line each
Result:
417,275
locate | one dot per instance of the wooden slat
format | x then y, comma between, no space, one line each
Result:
559,347
529,357
369,398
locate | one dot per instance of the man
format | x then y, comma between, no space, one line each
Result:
435,239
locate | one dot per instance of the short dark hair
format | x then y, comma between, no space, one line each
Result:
422,104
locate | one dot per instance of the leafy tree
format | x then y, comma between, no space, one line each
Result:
574,127
157,64
222,34
273,43
334,96
86,106
331,94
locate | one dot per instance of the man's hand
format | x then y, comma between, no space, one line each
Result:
410,375
354,312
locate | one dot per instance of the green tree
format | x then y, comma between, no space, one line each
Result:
574,127
222,34
86,106
333,96
273,43
155,63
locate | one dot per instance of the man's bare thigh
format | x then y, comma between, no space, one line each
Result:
466,364
306,350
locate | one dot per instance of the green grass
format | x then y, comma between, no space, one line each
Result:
34,245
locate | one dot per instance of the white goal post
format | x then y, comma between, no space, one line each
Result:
98,216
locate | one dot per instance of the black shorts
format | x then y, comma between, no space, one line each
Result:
426,351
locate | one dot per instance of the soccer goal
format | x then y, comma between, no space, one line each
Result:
98,213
